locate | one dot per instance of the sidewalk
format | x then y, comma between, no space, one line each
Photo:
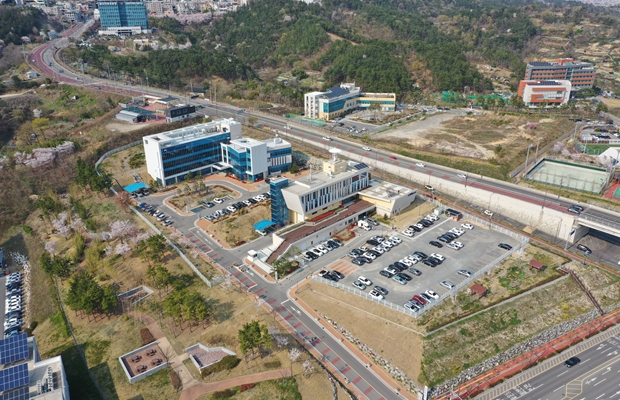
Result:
524,361
201,388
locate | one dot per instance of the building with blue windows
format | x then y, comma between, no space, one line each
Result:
339,100
320,193
171,155
122,17
255,160
279,212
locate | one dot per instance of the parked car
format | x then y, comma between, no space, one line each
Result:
365,281
381,290
359,261
505,246
337,274
399,280
432,294
584,248
414,271
217,200
464,272
467,226
359,285
436,244
408,232
406,277
446,284
376,295
386,273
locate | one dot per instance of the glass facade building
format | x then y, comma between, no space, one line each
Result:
279,211
116,14
253,160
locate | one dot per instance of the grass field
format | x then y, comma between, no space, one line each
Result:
238,227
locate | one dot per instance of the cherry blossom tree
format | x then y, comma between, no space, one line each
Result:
120,229
308,368
138,237
122,249
281,340
50,247
109,251
293,355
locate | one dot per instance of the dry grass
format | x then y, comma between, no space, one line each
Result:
238,227
118,165
209,193
380,325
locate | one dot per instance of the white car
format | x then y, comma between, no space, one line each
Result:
412,259
406,261
366,148
432,217
387,243
319,251
376,295
461,176
408,232
432,294
326,138
447,284
489,213
379,249
457,231
453,246
420,165
458,244
396,239
365,281
369,255
217,200
467,226
438,256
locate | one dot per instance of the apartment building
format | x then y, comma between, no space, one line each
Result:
122,17
580,74
548,92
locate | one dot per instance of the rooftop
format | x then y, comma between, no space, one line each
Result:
386,191
335,92
190,133
312,182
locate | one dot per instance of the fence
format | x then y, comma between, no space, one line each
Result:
146,221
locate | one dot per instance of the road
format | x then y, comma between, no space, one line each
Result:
363,379
596,377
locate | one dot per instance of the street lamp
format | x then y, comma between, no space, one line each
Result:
527,159
536,156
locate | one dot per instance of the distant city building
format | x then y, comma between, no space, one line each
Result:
544,92
197,148
122,17
254,160
180,113
580,74
340,99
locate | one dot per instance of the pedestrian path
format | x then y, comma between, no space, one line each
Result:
201,388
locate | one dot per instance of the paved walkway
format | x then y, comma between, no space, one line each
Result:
201,388
176,361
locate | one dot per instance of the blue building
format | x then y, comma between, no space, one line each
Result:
255,160
170,156
123,17
279,211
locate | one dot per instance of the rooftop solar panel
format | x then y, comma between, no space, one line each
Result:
14,377
22,393
540,64
14,348
360,166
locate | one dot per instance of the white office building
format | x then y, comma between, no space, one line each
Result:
254,160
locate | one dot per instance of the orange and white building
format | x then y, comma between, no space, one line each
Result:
544,92
580,74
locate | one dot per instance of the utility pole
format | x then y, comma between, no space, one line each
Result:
536,156
527,159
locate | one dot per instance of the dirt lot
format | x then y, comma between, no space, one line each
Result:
379,328
208,193
238,227
118,165
497,139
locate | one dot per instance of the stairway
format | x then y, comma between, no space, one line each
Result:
585,289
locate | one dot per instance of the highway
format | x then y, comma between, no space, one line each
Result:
596,377
365,382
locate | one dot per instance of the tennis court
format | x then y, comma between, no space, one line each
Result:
568,175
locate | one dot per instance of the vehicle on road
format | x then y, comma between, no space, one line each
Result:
420,165
429,187
461,176
584,248
575,209
488,213
571,362
327,138
393,157
366,148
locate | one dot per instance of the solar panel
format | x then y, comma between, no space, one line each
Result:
13,377
360,166
22,393
14,348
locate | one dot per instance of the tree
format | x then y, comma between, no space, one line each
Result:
601,107
252,120
308,368
121,229
123,200
253,336
109,300
121,249
293,355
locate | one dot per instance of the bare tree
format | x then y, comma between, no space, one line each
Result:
308,368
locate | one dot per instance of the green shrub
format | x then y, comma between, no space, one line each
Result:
224,394
226,363
28,230
273,364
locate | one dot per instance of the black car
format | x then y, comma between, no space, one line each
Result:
386,273
431,262
252,201
404,276
338,242
359,261
437,260
571,362
425,223
373,242
505,246
415,228
338,274
330,277
209,204
414,271
444,239
420,254
13,314
435,243
357,252
374,253
267,195
451,235
311,255
367,259
333,243
328,246
400,266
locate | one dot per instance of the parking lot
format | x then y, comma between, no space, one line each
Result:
480,248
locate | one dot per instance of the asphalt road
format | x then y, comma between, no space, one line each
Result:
352,369
596,377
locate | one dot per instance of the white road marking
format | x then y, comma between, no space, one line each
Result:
285,301
608,370
561,387
600,396
562,373
600,382
583,362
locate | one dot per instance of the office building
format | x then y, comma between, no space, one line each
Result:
171,155
254,160
122,17
320,194
535,93
180,113
339,100
580,74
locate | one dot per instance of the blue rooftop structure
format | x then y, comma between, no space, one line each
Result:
335,92
134,187
262,225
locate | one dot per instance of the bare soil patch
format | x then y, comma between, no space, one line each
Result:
237,229
192,199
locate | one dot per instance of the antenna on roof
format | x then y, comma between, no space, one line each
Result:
335,153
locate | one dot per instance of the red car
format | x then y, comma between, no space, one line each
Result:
393,157
419,299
